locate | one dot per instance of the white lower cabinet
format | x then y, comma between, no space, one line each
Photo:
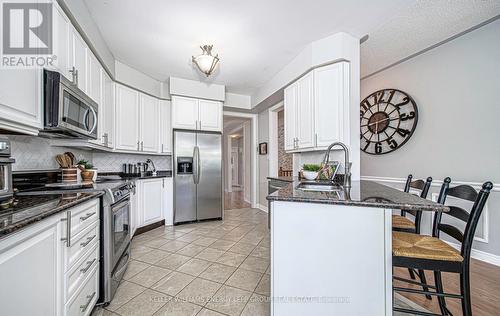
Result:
31,270
152,202
43,274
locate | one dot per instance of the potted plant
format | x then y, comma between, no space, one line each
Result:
310,171
87,172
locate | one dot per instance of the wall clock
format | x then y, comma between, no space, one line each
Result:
388,119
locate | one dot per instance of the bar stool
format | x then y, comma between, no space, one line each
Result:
404,224
431,253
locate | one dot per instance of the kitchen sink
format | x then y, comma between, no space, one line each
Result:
319,186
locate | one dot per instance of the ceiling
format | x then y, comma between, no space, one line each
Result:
256,39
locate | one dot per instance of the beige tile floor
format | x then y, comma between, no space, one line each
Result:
208,268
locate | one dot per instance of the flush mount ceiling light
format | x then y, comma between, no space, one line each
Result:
206,62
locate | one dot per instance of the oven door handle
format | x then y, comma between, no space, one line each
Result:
120,204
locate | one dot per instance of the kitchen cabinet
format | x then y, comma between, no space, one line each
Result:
165,126
39,263
317,108
107,108
31,268
127,118
168,201
196,114
61,43
78,59
134,208
331,91
21,109
150,201
149,123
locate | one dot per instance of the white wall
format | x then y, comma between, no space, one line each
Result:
263,136
136,79
456,88
239,101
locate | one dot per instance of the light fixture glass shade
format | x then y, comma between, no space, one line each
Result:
205,62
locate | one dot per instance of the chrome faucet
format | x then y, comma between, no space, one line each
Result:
347,163
149,161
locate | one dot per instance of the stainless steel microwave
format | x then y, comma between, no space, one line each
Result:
68,111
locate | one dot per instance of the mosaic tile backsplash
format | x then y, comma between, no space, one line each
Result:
36,153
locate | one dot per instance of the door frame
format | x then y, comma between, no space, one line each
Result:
273,138
235,166
254,163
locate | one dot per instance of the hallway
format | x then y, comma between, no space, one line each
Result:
234,200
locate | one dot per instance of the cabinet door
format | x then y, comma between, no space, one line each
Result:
21,109
305,112
331,91
168,201
78,55
134,208
108,109
31,268
151,208
165,126
93,78
290,108
184,113
149,124
127,119
210,115
61,29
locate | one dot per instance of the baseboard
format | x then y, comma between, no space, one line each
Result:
480,255
143,229
262,207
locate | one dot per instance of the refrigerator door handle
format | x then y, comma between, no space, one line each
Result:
196,164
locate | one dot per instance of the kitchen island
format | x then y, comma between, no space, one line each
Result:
331,251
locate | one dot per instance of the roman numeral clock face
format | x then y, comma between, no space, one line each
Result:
388,119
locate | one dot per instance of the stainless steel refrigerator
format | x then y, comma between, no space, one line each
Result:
197,176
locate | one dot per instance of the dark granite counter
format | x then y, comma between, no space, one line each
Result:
29,209
362,193
131,177
282,179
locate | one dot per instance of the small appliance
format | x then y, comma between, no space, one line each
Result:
68,111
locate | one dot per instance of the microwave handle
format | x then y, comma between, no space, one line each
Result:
95,120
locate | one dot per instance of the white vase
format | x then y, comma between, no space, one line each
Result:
310,175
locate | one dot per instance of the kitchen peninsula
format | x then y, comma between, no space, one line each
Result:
332,250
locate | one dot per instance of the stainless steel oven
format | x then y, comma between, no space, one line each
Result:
115,239
6,162
68,111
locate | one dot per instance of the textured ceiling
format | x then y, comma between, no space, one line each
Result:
256,39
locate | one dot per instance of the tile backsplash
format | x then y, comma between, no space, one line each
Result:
36,153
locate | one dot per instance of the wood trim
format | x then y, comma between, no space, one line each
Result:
144,229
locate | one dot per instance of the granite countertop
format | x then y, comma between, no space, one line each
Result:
362,193
283,179
148,175
30,209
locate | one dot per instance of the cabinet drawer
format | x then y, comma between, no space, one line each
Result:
84,215
77,275
80,244
84,300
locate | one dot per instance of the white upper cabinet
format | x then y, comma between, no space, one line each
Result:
290,109
127,119
184,113
93,78
165,126
78,58
210,115
317,108
305,112
149,123
61,27
331,106
196,114
107,108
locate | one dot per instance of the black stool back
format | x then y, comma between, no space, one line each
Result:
424,187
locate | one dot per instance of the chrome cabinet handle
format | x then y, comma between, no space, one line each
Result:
74,75
315,139
142,146
200,124
68,229
89,264
89,215
85,243
90,297
161,147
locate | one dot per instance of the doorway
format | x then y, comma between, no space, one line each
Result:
237,162
280,162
